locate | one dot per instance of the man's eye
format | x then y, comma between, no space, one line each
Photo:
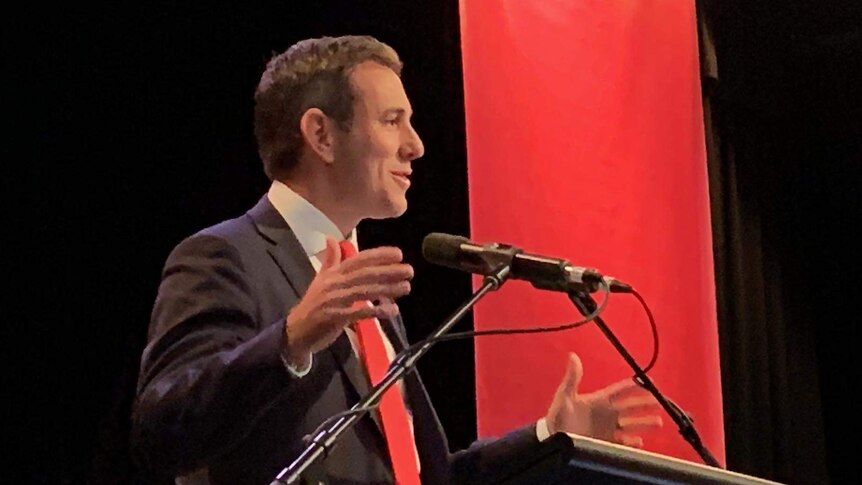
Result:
392,122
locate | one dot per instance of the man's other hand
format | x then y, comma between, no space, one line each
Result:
618,413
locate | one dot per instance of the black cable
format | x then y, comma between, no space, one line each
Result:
654,330
652,361
506,331
404,354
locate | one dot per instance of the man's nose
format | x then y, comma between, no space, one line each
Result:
412,148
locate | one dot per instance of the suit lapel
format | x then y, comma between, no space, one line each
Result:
352,368
288,254
283,246
393,329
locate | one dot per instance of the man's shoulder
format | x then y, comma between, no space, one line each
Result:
232,230
244,229
237,235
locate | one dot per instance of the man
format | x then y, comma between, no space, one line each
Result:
263,327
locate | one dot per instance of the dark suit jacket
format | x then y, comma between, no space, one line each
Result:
213,392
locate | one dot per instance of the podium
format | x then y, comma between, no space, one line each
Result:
590,461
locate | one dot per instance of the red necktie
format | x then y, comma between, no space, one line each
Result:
396,424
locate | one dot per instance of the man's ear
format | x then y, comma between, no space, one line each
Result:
317,130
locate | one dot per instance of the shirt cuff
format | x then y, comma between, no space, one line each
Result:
542,432
296,371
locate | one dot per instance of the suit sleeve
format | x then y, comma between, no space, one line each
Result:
210,368
517,457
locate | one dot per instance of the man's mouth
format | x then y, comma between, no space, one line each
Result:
403,177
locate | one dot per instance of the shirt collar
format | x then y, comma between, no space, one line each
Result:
309,224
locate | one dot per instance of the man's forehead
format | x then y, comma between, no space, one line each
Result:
379,88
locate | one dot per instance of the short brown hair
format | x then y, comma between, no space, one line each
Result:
313,73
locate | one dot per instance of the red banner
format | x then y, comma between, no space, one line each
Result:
585,141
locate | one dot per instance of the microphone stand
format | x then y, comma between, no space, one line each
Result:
326,439
586,305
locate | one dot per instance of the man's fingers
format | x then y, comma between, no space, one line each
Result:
373,257
349,296
392,273
618,389
386,310
356,313
376,292
633,441
636,404
639,423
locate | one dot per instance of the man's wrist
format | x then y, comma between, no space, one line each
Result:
302,361
296,359
297,369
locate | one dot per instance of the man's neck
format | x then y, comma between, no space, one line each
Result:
319,194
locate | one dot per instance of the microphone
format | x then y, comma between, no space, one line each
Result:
542,272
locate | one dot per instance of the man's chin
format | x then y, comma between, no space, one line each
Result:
392,208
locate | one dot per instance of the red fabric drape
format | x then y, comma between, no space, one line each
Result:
585,141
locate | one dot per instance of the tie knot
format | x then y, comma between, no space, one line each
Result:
348,250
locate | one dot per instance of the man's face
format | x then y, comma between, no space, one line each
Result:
373,160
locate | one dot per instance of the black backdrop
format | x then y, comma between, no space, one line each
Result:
132,128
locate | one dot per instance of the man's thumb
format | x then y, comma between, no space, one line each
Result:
332,255
574,373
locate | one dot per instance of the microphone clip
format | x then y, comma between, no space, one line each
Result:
488,259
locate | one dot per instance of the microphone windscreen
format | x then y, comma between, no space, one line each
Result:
443,249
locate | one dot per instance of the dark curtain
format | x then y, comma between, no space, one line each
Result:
783,197
772,410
